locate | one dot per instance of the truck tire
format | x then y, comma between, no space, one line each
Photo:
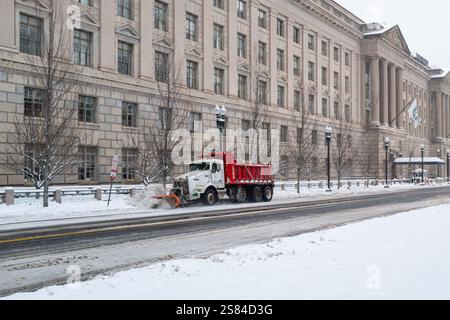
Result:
241,195
268,194
210,197
257,194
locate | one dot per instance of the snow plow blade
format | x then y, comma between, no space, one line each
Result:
171,199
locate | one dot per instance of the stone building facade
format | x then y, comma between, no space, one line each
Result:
312,52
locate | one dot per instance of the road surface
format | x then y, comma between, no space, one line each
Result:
35,258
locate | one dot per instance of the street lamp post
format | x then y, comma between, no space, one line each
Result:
439,165
221,117
387,142
328,135
422,149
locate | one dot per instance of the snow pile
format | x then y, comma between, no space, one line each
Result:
406,256
146,198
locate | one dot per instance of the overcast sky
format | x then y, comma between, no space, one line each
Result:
425,24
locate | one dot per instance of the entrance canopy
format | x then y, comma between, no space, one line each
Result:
418,161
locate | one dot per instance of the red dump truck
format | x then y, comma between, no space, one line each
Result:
212,179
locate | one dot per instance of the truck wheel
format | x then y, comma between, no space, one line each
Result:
257,194
268,194
241,195
210,198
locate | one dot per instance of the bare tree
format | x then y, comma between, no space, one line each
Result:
156,142
366,152
46,137
260,90
343,153
301,151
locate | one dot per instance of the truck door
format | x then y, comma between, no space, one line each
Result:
217,175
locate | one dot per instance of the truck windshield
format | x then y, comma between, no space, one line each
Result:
199,167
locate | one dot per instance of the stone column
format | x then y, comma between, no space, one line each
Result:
399,96
8,17
273,59
290,64
438,116
208,67
375,92
384,92
392,94
146,44
180,38
232,49
108,37
9,196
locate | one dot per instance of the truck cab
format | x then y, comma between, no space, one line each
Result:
204,181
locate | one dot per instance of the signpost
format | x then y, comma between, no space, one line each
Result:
115,165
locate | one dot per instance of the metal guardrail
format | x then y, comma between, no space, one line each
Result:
71,191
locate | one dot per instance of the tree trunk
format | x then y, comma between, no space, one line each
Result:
298,180
45,198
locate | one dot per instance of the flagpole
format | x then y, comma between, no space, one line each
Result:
407,106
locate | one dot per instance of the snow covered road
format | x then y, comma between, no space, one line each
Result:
373,259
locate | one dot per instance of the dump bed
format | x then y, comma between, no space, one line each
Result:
238,173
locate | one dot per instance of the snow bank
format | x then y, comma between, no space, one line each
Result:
406,256
146,198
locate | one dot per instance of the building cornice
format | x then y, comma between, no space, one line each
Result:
329,18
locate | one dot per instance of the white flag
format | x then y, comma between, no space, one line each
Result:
413,113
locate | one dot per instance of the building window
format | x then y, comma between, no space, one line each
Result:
262,53
262,92
161,64
82,48
129,114
163,118
324,76
336,54
315,137
311,71
336,80
129,162
218,37
347,113
281,97
325,107
86,109
30,35
87,164
33,101
311,42
337,111
242,87
297,35
242,9
284,134
219,4
262,19
297,66
85,2
280,27
125,58
297,100
325,48
191,27
194,117
160,16
347,59
311,104
242,45
218,81
192,75
280,60
124,8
